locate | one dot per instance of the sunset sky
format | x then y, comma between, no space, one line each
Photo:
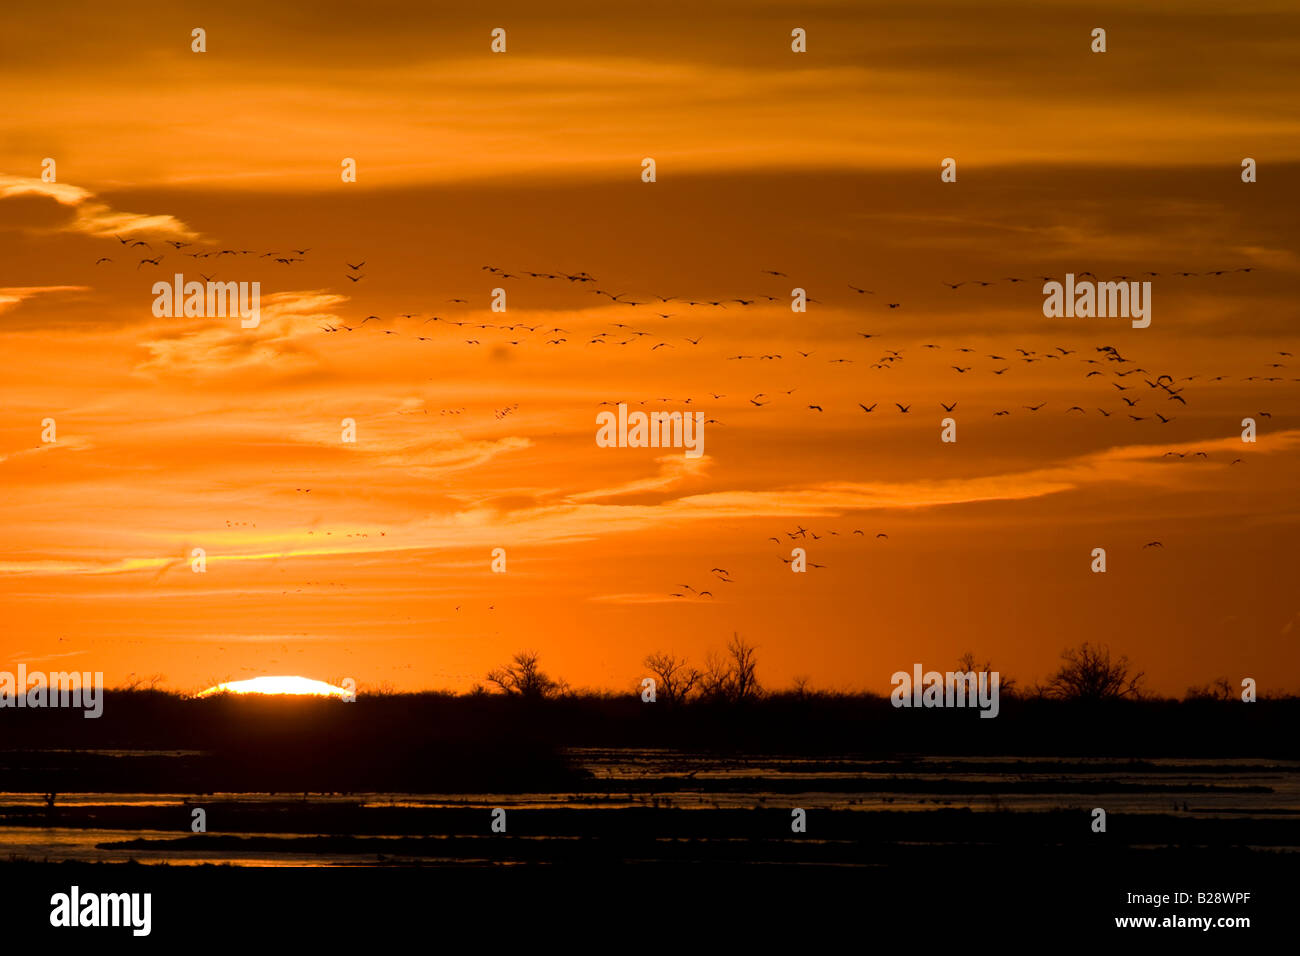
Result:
182,433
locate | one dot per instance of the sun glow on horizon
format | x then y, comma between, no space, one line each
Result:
299,686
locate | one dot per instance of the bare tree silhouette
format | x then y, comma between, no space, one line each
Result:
715,681
675,680
1089,674
1218,689
744,663
525,678
732,678
134,681
966,664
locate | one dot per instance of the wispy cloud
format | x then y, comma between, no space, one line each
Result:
16,295
92,217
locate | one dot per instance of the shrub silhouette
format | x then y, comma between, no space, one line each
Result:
525,678
1089,674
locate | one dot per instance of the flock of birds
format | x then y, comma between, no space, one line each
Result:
1146,395
620,334
1156,404
1163,387
721,574
800,533
1153,405
1150,406
283,258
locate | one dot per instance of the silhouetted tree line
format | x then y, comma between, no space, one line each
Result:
518,734
1087,673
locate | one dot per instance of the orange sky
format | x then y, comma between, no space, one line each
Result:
177,433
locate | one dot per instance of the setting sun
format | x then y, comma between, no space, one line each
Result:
304,686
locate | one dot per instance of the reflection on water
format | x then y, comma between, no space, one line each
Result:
1196,788
80,846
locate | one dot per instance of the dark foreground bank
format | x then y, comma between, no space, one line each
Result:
941,897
